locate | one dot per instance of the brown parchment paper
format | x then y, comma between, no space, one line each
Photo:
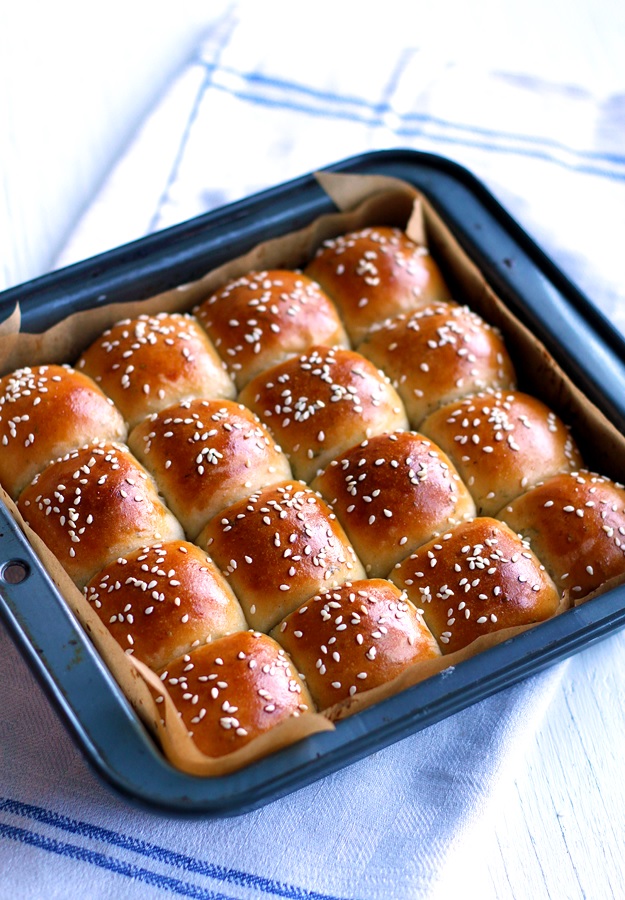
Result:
360,201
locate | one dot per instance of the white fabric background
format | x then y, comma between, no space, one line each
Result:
538,115
380,829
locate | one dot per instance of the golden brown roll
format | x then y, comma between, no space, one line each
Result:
475,580
161,601
93,505
45,412
375,273
502,443
205,455
575,524
319,404
263,318
277,548
148,363
234,689
391,494
354,638
438,354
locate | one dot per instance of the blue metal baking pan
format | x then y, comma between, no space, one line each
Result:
105,727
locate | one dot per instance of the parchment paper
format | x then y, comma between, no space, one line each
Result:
360,201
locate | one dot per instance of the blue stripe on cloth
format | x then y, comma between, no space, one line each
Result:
183,142
136,873
153,851
225,26
361,112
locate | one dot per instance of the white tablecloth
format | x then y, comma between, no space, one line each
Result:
268,94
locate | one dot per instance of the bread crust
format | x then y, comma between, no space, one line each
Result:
147,363
575,523
161,601
322,402
374,273
355,638
206,455
234,689
93,505
45,412
475,580
277,548
262,318
437,355
391,493
502,443
289,460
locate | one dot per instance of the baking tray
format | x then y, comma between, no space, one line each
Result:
97,714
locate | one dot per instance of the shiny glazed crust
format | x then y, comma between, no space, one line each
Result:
277,548
234,689
476,579
372,562
263,318
502,443
319,404
437,355
375,273
205,455
161,602
147,363
354,638
391,494
93,505
31,437
575,523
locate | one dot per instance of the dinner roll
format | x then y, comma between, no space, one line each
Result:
93,505
150,362
502,443
354,638
261,319
375,273
575,523
160,602
45,412
438,354
234,689
478,578
321,403
205,455
277,548
392,493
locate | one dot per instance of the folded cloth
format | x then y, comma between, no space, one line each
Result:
272,95
542,124
381,829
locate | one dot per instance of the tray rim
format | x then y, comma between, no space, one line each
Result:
396,717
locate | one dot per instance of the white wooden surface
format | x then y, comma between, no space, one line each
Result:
556,827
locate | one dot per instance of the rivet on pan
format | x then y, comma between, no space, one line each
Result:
14,571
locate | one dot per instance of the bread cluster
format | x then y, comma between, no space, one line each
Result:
306,485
